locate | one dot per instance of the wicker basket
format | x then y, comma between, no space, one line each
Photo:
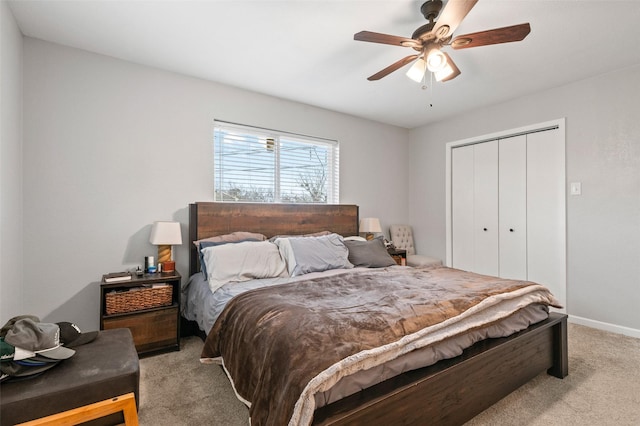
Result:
137,299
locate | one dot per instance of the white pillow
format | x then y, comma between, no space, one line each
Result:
242,262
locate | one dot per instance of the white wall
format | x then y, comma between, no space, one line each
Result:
11,256
111,146
602,152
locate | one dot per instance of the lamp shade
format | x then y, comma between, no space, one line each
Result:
417,70
166,233
436,60
448,72
370,224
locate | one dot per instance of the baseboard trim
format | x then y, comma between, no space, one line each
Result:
614,328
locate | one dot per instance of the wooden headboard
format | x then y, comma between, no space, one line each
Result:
208,219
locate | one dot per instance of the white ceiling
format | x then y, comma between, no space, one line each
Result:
304,50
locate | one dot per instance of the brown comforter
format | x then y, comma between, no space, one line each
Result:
281,344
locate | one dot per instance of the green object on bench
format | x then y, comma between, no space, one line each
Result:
105,368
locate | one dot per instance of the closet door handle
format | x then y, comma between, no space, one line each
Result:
484,229
510,229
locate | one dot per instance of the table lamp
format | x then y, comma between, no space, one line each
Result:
164,235
369,225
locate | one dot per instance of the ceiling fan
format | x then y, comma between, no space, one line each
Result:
431,37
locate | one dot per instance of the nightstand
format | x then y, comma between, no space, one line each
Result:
148,305
399,255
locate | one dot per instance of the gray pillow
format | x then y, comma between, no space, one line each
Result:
313,254
370,254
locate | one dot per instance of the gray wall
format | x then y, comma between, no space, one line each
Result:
111,146
11,254
102,148
602,152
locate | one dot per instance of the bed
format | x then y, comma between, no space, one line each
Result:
450,391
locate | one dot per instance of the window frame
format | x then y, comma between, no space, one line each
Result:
280,138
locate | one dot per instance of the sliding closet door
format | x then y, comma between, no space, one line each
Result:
485,189
462,208
546,217
513,207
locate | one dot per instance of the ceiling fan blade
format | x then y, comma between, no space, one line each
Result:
386,39
452,14
391,68
496,36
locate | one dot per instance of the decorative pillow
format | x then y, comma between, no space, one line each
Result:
314,254
233,237
370,254
242,261
204,244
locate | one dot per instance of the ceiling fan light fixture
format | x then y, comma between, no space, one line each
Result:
436,60
417,70
443,73
448,72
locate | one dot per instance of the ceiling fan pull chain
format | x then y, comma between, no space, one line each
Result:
431,77
430,104
424,80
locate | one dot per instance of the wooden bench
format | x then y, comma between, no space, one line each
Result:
125,403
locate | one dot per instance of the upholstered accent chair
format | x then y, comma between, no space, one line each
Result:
402,237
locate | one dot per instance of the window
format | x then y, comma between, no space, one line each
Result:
267,166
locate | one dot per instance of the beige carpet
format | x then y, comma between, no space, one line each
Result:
603,388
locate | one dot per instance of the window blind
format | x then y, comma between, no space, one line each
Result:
261,165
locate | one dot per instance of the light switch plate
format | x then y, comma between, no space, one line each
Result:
576,188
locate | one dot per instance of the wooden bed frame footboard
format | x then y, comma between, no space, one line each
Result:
453,391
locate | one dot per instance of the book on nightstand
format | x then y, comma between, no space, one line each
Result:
115,277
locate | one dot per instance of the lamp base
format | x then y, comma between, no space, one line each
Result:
164,253
368,236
